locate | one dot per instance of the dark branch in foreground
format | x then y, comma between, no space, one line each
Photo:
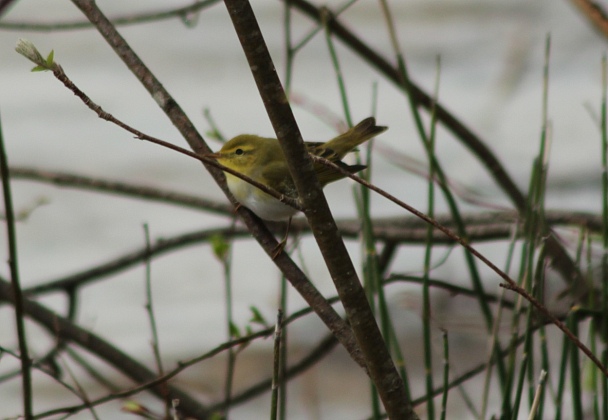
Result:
380,366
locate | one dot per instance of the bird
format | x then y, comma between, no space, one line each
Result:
262,159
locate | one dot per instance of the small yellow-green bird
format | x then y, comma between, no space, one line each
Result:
262,160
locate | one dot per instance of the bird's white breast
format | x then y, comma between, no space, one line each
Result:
262,204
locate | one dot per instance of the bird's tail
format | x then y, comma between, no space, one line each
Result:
357,135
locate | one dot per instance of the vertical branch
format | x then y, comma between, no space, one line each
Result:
289,50
290,53
152,317
575,371
446,374
567,347
283,354
379,363
26,375
426,296
276,367
538,395
337,69
604,286
223,252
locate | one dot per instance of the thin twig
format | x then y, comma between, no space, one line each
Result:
151,316
5,5
594,12
511,284
561,261
542,309
59,73
26,375
181,12
128,260
276,366
146,192
321,350
538,394
81,391
77,392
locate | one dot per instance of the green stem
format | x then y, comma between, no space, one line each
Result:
26,362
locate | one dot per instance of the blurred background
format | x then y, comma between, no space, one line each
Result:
491,64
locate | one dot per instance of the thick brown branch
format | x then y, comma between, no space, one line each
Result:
381,368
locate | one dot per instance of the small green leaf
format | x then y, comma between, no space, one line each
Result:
49,59
216,415
213,134
220,246
133,407
257,317
234,330
28,50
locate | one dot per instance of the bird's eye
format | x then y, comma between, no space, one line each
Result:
238,152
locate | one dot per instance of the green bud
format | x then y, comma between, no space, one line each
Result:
27,49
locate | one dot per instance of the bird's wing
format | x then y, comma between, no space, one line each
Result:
326,174
276,175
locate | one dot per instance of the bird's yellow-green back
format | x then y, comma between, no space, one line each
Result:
262,159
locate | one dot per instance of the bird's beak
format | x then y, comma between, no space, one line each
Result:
212,155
